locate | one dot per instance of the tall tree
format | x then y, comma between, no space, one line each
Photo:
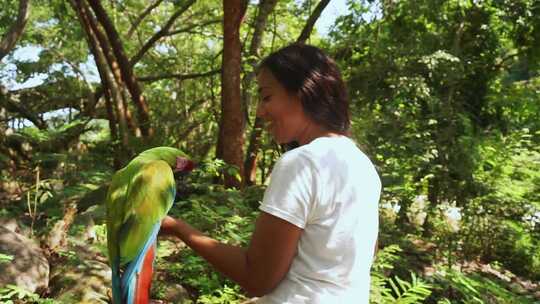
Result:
250,164
230,145
126,70
112,86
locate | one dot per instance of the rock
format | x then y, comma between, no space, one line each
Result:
87,282
176,294
10,224
29,268
83,277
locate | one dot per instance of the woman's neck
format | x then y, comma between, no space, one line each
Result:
314,131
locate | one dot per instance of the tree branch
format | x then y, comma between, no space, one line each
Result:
15,31
161,33
265,8
310,23
178,76
192,26
141,17
12,104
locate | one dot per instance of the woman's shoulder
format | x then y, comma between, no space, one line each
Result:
299,156
324,152
324,147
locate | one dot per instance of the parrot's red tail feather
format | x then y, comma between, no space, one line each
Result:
144,281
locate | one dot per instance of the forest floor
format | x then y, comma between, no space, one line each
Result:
76,248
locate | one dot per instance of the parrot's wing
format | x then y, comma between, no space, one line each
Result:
149,197
115,205
116,199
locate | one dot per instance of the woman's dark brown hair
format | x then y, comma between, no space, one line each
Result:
310,74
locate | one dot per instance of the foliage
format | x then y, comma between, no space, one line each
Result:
444,99
501,223
417,109
14,292
475,288
5,258
224,214
385,289
222,296
443,126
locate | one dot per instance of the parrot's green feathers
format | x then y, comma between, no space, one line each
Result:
140,196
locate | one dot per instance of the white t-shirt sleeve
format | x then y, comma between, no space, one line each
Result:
290,193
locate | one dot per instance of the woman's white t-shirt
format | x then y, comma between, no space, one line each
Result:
331,190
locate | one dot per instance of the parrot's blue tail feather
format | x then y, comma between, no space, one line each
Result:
129,277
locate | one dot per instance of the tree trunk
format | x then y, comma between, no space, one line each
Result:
109,82
125,68
102,44
117,163
250,163
252,154
231,135
15,31
131,122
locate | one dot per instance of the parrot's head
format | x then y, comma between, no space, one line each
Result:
180,164
176,158
183,165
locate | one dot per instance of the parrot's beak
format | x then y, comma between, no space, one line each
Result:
183,165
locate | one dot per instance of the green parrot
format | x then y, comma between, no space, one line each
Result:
139,197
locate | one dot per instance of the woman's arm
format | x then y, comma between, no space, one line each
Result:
257,269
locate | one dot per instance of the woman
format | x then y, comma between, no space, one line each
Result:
315,236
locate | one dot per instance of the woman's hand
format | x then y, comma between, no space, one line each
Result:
169,226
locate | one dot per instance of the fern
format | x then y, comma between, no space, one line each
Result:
407,292
462,284
395,290
386,258
13,292
4,258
